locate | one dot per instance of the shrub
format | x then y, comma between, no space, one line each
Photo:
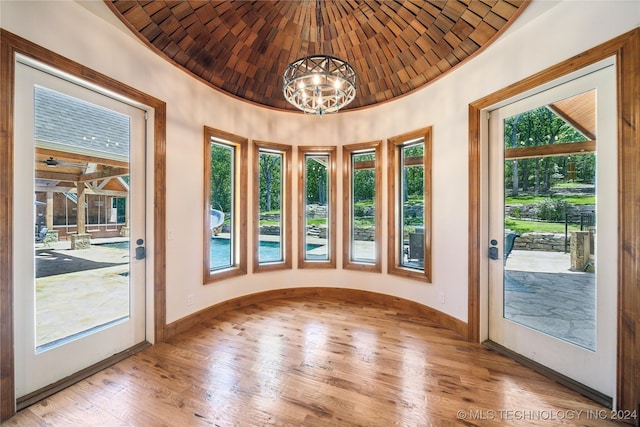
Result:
551,209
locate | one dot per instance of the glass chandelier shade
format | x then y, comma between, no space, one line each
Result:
319,84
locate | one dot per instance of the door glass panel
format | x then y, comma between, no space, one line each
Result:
81,230
550,219
317,207
412,207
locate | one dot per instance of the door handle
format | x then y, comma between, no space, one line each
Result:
141,253
493,250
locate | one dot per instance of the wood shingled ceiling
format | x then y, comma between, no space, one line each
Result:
243,47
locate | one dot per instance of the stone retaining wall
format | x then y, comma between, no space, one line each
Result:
530,211
549,242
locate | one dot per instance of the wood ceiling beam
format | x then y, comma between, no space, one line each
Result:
56,154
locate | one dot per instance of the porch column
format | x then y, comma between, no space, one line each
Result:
124,230
81,221
81,240
49,219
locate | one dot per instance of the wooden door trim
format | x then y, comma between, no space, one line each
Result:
10,45
625,49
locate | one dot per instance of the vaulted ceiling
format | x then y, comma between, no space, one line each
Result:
243,47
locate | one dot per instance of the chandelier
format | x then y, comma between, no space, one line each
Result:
319,84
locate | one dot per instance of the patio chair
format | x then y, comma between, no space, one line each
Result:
416,244
509,241
42,234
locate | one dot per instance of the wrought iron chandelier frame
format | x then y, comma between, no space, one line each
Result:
319,84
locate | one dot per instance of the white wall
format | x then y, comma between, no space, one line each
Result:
546,33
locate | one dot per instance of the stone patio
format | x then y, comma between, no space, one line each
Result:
77,290
541,292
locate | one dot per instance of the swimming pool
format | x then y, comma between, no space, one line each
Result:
116,245
220,257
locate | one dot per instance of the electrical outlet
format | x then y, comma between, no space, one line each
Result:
441,297
190,299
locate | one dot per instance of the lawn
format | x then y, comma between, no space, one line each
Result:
520,226
528,199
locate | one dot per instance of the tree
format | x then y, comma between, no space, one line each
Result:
221,177
270,166
413,175
364,180
537,127
317,179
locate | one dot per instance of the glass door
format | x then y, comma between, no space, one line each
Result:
79,226
553,222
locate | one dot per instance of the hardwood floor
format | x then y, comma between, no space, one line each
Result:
315,362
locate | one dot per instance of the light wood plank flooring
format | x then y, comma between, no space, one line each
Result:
319,362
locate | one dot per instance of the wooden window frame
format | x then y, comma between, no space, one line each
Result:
331,151
347,207
395,145
285,206
239,233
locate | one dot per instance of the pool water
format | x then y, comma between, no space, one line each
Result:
116,245
219,256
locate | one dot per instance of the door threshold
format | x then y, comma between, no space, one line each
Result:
574,385
51,389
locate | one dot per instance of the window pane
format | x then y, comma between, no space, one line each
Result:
363,197
316,207
412,205
271,228
221,197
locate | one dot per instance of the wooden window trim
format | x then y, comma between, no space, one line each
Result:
240,209
393,160
347,206
302,152
285,151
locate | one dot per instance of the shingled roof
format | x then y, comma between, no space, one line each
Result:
73,125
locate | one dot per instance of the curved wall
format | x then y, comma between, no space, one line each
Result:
88,33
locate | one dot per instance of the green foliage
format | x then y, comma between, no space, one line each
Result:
270,165
413,175
539,127
317,179
317,221
359,211
364,184
551,209
221,162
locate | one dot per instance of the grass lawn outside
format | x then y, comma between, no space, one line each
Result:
528,199
521,226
